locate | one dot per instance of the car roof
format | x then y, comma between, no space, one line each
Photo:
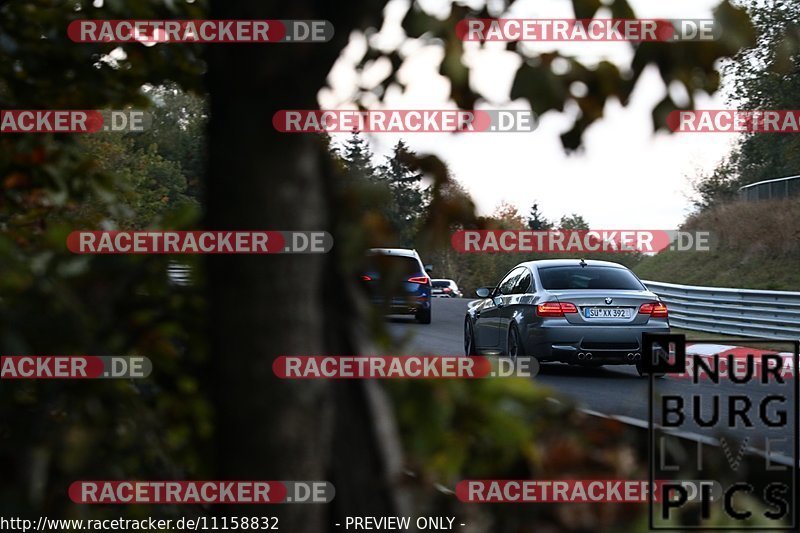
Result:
403,252
544,263
443,279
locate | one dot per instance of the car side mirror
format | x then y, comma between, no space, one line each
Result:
429,269
483,292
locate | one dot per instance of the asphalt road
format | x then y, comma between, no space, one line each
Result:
615,391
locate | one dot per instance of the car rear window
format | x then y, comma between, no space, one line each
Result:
394,265
589,277
441,284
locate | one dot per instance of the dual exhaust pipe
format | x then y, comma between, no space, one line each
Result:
584,356
634,356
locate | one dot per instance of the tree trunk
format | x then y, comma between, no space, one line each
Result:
265,306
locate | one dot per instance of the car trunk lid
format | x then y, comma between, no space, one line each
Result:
605,307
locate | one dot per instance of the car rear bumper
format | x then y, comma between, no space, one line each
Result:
407,305
590,344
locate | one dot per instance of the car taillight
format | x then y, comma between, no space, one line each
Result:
422,280
555,309
448,290
366,278
655,310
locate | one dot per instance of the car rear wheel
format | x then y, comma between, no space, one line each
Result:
423,316
469,338
514,346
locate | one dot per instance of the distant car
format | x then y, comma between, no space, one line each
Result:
445,288
397,280
577,312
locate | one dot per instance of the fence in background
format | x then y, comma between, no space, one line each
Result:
771,189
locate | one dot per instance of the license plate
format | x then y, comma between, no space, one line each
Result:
607,312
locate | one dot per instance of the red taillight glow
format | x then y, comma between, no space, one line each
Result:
366,278
555,309
655,310
448,290
422,280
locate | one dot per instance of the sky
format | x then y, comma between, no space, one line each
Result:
626,176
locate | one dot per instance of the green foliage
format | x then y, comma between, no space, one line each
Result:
573,222
760,253
536,220
503,428
506,216
357,157
53,433
398,212
409,200
762,77
148,186
691,64
765,76
469,428
53,302
402,200
178,131
720,268
718,187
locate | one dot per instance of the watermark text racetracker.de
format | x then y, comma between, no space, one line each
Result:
405,121
734,121
587,30
580,241
199,242
161,492
200,31
402,367
74,367
570,490
208,492
73,121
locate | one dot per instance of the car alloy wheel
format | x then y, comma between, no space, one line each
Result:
514,348
469,338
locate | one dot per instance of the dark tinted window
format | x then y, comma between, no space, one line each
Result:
393,266
510,281
590,277
441,284
523,283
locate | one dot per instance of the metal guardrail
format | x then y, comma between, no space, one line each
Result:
745,312
771,189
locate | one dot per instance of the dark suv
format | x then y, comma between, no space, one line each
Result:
397,281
